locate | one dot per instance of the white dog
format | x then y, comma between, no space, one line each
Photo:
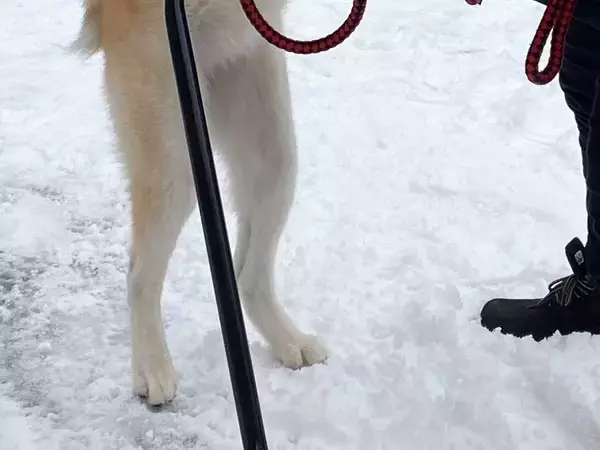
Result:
245,85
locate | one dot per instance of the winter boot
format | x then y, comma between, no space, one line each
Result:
571,305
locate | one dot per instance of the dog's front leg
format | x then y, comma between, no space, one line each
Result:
252,119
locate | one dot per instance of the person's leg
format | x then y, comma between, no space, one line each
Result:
579,81
573,302
591,157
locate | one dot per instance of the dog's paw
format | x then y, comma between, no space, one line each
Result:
154,379
306,350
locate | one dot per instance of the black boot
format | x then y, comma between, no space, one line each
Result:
571,305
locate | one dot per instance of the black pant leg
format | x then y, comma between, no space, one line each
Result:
579,81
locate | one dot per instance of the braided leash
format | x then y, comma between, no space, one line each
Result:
556,19
304,47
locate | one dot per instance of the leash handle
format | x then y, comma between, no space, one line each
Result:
556,19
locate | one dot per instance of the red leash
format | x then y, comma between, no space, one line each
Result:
556,19
304,47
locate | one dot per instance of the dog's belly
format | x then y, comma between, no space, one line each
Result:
221,32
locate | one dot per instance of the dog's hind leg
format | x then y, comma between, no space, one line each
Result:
144,109
252,119
162,199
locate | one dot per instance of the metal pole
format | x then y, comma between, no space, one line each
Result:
215,231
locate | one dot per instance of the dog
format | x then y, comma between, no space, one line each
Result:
246,91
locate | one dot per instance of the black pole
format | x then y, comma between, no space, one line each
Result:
215,231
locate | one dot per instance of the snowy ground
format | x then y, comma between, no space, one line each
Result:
433,176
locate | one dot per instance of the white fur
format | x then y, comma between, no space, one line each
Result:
244,81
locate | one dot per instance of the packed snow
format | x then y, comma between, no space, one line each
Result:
433,176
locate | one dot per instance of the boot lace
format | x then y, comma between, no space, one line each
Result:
566,289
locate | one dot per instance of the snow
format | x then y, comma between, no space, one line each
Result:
433,176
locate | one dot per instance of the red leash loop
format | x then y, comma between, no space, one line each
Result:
556,20
304,47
